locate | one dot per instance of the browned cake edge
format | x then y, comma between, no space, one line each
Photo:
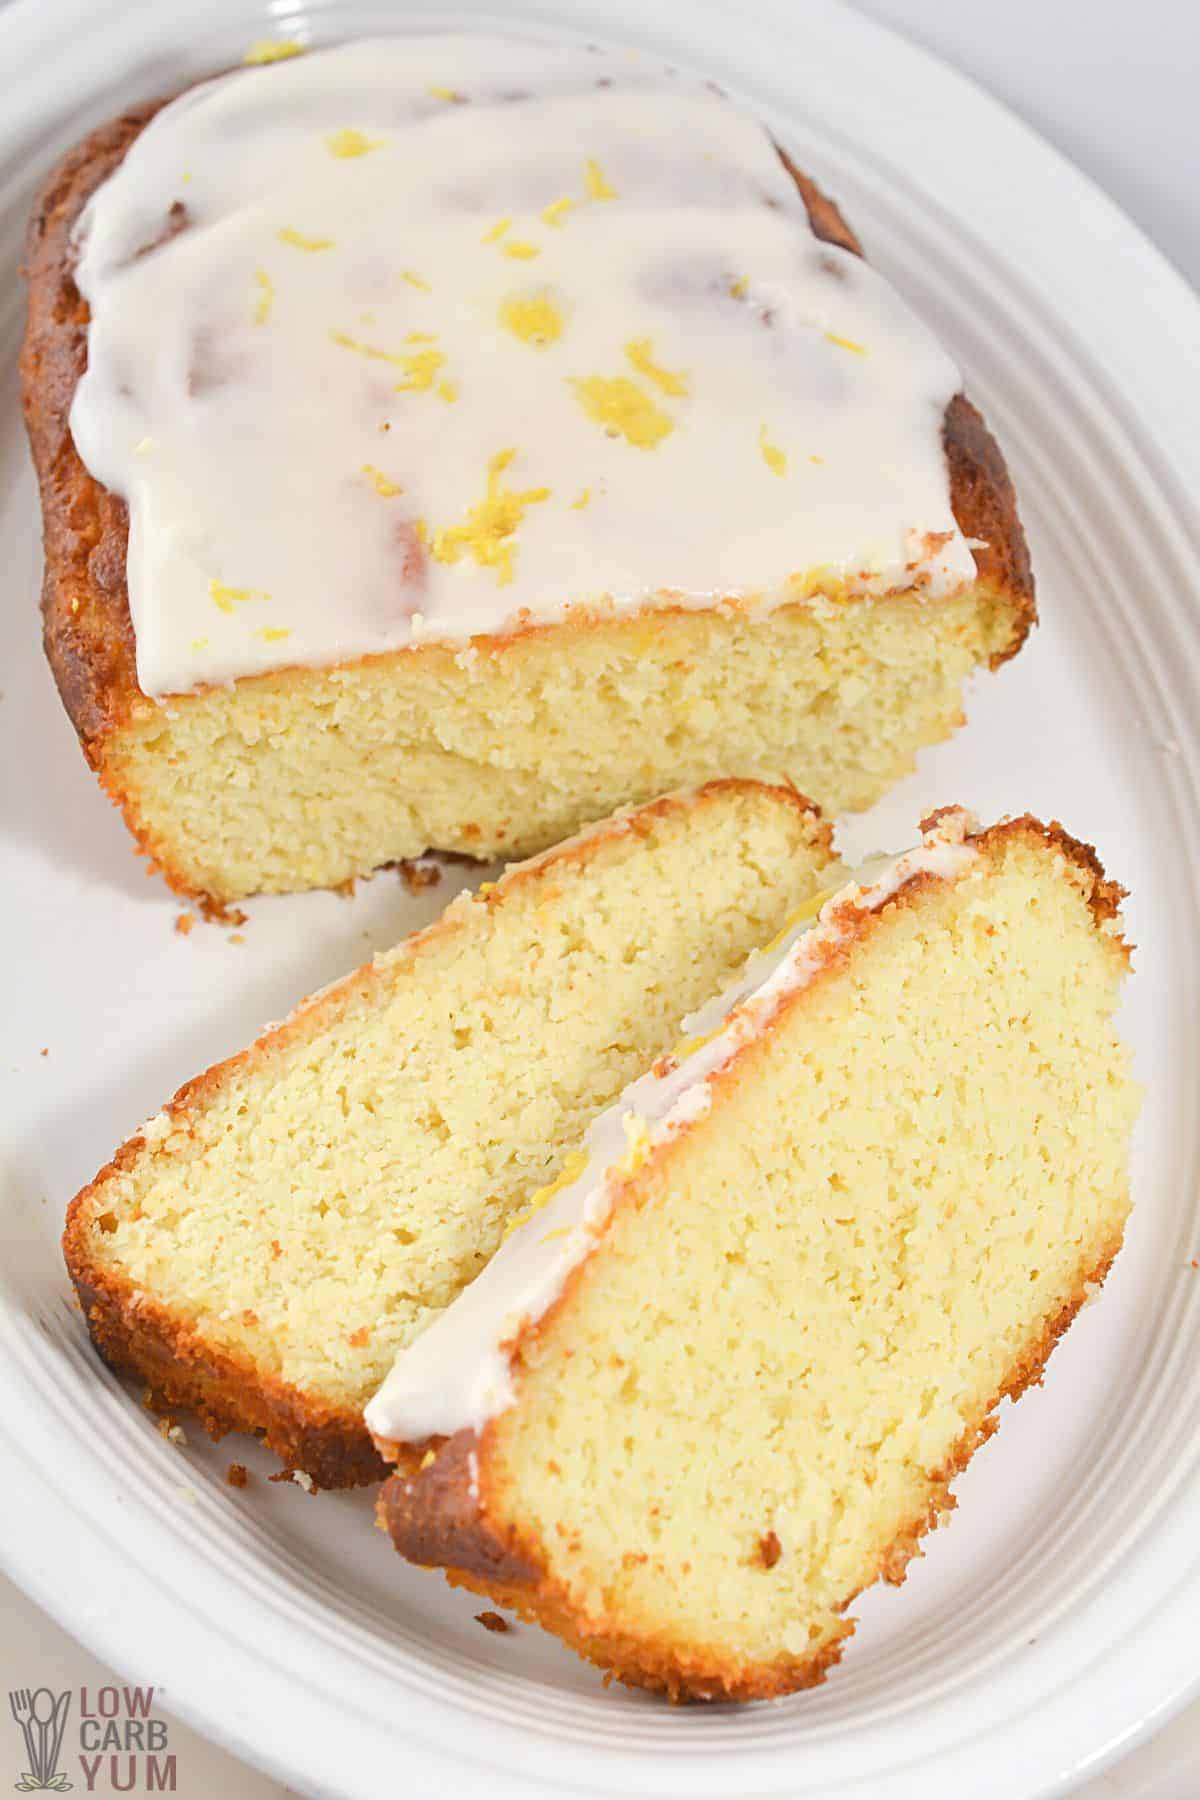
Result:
162,1346
87,630
981,490
449,1515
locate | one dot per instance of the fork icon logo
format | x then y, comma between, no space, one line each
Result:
42,1717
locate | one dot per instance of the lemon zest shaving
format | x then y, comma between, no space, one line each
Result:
269,50
800,916
519,250
582,499
444,93
640,352
624,409
572,1168
421,366
386,489
199,644
490,524
556,212
688,1046
740,288
846,343
288,236
775,458
415,280
266,296
821,579
350,343
227,597
274,634
447,391
637,1144
534,318
497,231
429,1457
420,337
597,187
350,142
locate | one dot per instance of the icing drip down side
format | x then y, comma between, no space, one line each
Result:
432,337
457,1374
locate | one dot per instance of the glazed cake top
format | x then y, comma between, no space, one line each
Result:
432,337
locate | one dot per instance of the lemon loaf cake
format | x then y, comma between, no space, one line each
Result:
262,1249
721,1381
445,440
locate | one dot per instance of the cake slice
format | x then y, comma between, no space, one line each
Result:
720,1381
262,1249
445,440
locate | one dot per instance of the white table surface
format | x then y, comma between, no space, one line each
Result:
1113,85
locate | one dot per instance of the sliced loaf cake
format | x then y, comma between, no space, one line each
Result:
720,1380
263,1248
445,439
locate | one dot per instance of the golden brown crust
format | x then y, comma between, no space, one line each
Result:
983,502
228,1391
459,1525
87,630
88,634
1102,895
433,1515
981,490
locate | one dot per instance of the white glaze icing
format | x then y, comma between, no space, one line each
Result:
457,1375
301,392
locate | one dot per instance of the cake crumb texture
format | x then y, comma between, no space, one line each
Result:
303,780
750,1399
296,1215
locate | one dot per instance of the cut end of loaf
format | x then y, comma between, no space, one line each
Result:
309,778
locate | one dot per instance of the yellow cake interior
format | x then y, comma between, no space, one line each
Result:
307,778
334,1188
806,1305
